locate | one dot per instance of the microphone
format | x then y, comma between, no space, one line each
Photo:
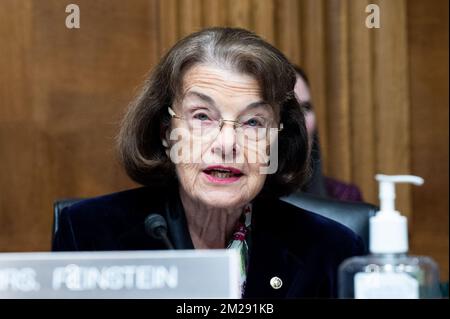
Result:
156,227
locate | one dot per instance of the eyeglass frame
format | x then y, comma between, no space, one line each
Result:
236,124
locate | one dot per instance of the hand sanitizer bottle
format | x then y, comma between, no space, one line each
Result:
388,272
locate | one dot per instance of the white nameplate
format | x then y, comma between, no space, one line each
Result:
124,274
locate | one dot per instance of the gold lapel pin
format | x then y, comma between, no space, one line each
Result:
276,283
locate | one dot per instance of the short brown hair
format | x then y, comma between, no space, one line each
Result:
139,140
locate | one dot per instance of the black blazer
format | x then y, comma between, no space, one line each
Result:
303,249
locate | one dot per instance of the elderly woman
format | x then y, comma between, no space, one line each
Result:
216,137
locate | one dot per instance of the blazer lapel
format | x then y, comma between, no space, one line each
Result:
270,262
273,259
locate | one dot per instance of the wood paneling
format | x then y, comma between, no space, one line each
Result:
59,120
338,103
428,63
239,13
168,21
15,55
362,121
287,21
215,13
189,16
314,52
264,19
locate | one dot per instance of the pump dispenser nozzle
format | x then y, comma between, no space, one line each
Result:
388,229
387,188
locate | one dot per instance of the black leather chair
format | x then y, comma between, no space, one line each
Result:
353,215
58,206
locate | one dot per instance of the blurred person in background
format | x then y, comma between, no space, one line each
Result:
318,184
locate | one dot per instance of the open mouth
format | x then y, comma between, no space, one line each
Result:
223,172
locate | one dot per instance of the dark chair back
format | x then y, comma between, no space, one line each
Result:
58,206
354,215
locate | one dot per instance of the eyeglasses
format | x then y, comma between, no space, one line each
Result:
252,128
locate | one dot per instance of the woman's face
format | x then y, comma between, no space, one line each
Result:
222,171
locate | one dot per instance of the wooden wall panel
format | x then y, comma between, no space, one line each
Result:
22,145
314,52
215,13
362,123
264,19
239,13
287,37
15,25
189,16
168,18
428,64
338,121
78,83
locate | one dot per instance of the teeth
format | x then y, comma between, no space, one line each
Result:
220,174
222,170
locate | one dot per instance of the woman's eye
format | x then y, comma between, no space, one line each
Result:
201,116
253,122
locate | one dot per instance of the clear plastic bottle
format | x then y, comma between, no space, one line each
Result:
388,272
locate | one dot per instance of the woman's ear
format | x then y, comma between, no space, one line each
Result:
164,135
166,146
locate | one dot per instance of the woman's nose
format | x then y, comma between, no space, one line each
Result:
225,143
